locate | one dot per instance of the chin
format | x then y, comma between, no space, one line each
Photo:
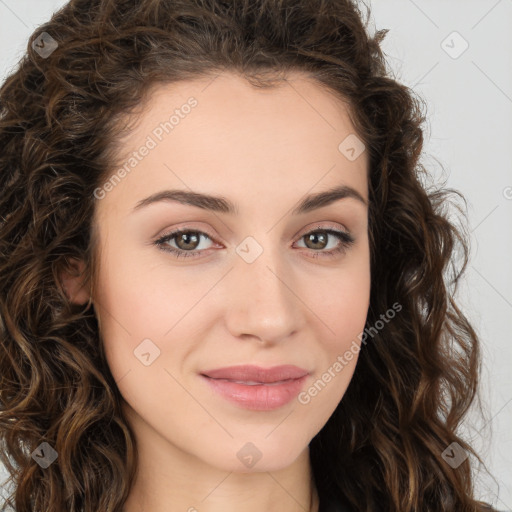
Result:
257,455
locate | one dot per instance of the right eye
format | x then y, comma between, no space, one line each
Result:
185,236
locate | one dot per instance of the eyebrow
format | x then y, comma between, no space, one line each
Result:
222,205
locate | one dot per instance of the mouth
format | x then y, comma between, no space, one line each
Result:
253,383
251,374
257,389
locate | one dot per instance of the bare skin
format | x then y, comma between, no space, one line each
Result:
264,150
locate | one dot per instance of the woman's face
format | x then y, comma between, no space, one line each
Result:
254,286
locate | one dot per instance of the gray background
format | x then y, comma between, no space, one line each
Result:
469,133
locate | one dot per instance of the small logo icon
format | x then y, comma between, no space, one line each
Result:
44,455
44,45
249,249
454,455
249,455
351,147
147,352
454,45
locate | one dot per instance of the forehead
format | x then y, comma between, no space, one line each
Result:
219,132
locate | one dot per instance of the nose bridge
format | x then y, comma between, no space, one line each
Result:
262,303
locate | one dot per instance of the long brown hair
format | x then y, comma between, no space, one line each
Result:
61,113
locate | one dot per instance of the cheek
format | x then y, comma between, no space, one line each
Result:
128,310
342,312
343,301
138,300
342,308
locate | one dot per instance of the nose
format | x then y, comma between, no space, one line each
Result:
263,301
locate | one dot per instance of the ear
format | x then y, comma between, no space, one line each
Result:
71,279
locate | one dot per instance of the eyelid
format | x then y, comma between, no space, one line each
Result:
322,225
300,233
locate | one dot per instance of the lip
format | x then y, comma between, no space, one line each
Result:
256,388
249,372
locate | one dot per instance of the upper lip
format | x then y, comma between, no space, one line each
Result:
252,373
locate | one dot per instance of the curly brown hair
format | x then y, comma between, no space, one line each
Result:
60,117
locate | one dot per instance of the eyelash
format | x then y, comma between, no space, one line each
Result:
346,241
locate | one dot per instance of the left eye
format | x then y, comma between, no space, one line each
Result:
190,239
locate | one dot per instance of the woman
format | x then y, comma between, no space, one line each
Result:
309,353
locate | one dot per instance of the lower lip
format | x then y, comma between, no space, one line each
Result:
264,397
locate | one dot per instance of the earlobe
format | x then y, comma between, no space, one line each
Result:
71,280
